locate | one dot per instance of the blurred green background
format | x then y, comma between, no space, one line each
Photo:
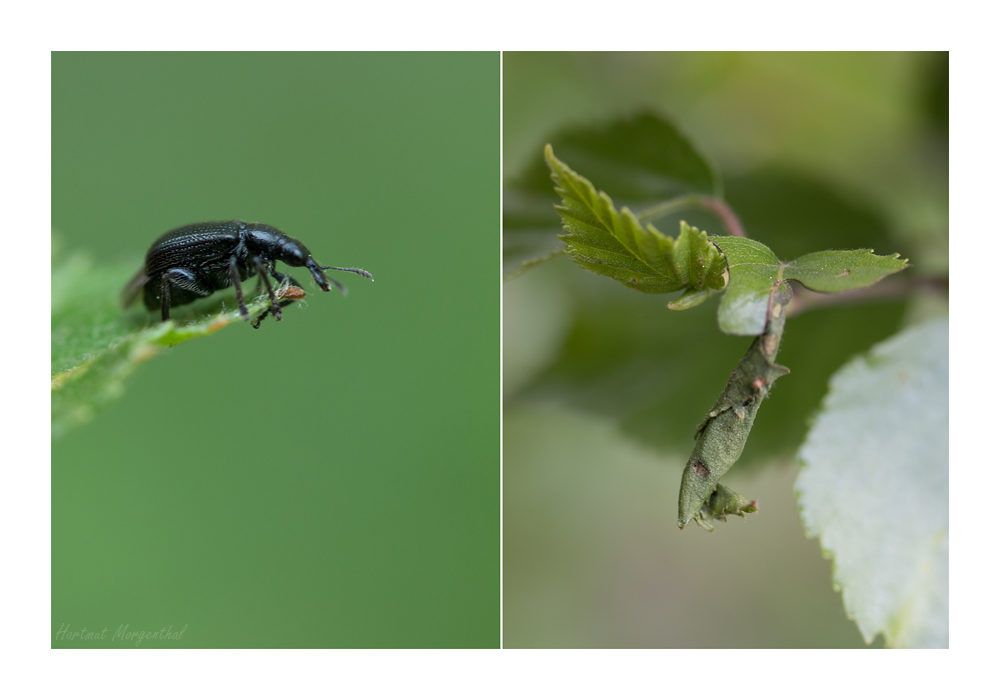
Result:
331,480
603,386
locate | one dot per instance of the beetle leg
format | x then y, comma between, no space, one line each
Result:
165,297
182,279
234,275
262,271
282,278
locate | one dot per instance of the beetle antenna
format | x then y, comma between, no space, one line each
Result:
355,270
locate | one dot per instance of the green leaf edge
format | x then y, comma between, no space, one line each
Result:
640,257
645,259
131,351
743,313
891,264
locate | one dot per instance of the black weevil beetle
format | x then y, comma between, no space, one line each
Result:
193,261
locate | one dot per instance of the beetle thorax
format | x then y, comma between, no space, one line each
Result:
271,244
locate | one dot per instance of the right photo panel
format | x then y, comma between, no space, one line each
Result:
725,350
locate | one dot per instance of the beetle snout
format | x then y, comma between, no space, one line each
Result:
318,274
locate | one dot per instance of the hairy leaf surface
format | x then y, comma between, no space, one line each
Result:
643,159
613,243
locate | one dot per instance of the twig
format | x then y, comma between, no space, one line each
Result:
710,204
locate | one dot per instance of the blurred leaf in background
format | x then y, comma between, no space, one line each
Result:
813,152
878,500
331,480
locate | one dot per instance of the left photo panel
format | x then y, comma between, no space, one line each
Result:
244,454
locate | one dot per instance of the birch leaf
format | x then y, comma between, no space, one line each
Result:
874,487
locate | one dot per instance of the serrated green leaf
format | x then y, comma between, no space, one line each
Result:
754,269
96,345
613,243
874,486
643,159
841,270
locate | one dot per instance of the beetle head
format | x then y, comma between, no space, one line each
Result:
291,252
268,241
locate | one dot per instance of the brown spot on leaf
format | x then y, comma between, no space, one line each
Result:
700,469
845,273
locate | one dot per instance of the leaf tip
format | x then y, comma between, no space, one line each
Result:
550,157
